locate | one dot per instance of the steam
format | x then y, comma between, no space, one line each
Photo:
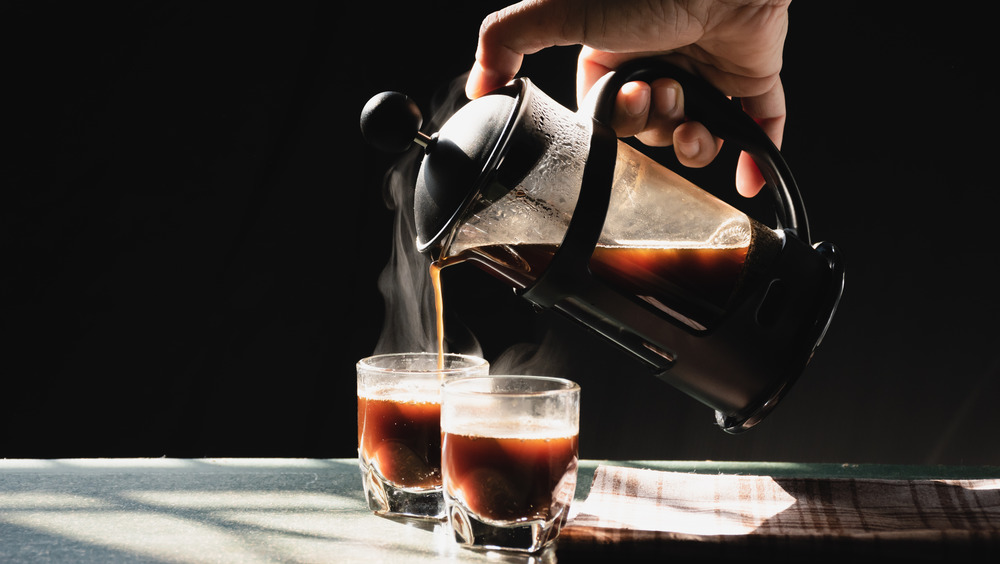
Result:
405,282
537,359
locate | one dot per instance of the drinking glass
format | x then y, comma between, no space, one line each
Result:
509,459
399,429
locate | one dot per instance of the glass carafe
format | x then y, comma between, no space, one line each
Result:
663,240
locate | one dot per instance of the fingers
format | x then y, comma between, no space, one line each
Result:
517,30
649,111
632,109
768,110
694,145
592,64
654,114
749,180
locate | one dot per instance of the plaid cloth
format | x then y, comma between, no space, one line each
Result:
731,516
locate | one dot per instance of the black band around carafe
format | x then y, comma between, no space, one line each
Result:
568,273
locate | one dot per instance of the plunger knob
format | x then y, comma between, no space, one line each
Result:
391,122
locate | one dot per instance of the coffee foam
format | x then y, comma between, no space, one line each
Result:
402,395
507,429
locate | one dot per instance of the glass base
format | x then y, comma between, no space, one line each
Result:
389,500
520,536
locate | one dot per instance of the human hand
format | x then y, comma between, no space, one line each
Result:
734,45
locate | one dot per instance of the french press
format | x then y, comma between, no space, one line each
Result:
719,305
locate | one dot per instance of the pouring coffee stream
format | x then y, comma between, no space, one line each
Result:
548,200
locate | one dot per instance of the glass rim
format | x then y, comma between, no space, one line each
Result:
565,386
369,363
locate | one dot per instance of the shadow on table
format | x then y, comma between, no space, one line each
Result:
174,510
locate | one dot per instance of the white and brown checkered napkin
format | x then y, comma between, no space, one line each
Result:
675,510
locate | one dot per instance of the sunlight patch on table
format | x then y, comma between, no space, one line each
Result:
151,535
211,500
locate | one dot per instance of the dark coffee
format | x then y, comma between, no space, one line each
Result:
703,273
696,282
402,439
509,479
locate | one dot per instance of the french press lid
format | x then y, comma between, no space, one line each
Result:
477,156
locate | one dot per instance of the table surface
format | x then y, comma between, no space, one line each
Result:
269,510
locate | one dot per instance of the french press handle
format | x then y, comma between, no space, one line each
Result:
724,119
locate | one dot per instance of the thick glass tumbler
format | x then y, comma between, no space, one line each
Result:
399,429
509,458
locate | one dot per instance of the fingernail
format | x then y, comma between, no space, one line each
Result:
636,99
666,100
689,150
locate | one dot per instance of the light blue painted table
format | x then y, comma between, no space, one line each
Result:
262,510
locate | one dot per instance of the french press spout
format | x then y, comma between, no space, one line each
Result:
717,304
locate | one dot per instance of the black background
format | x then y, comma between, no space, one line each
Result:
192,230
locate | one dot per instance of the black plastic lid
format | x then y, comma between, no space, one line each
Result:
480,154
473,162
